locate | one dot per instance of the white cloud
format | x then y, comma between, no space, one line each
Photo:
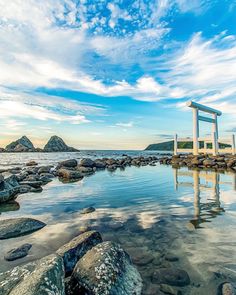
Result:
126,125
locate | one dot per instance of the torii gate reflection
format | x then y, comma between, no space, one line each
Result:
203,212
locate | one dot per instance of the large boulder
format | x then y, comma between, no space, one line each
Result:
42,277
22,144
76,248
57,144
69,174
9,188
86,162
15,227
71,163
107,269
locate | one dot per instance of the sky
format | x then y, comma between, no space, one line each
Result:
114,74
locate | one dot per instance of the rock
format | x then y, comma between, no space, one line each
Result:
15,227
107,269
42,277
87,162
85,170
31,163
9,189
1,178
9,206
72,163
100,164
208,163
34,184
171,258
56,144
88,210
69,174
44,169
76,248
226,289
17,253
169,290
21,145
171,276
45,179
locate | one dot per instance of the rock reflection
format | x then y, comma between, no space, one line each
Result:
203,212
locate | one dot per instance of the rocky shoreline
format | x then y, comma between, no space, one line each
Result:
87,265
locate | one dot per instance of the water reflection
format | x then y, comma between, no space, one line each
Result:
203,211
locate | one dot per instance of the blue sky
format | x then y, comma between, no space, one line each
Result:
114,74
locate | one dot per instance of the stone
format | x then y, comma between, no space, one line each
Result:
42,277
169,290
57,144
44,169
76,248
31,163
171,258
72,163
88,210
87,162
18,252
34,184
85,170
226,288
9,189
171,276
1,178
69,174
107,269
15,227
100,164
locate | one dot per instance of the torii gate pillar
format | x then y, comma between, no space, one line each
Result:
196,118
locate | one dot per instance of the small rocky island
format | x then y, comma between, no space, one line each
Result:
23,144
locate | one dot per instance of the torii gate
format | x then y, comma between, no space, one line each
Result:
196,118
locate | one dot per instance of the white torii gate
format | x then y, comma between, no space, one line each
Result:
196,118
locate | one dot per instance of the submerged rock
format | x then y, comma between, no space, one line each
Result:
15,227
76,248
107,269
42,277
88,210
17,253
171,276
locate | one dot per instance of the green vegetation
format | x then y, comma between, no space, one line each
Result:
169,146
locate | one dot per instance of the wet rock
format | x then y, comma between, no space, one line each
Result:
76,248
9,206
88,210
44,169
85,170
87,162
171,276
169,290
42,277
139,256
9,188
69,174
18,252
171,258
72,163
31,163
1,178
226,289
100,164
107,269
34,184
45,179
15,227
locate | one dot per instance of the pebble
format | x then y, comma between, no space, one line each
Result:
17,253
88,210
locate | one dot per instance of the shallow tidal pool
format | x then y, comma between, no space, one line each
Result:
161,216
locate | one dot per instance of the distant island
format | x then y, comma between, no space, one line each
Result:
169,146
23,144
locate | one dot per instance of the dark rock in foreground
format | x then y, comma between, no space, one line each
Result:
21,145
57,144
15,227
17,253
9,188
42,277
76,248
107,269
